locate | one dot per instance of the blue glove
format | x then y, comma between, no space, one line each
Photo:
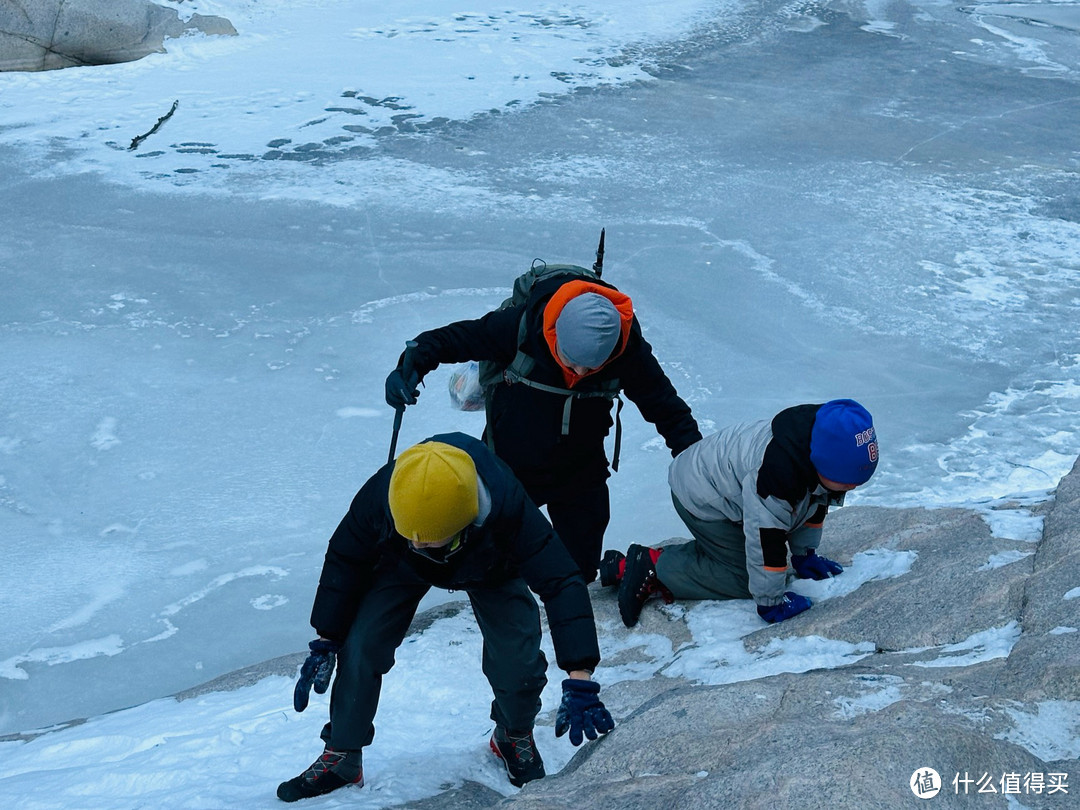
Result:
316,671
581,711
402,384
792,605
811,566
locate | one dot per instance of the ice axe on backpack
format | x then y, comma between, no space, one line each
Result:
598,265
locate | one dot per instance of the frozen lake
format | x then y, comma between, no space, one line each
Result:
870,201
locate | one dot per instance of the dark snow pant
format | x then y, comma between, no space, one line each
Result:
513,662
580,517
711,566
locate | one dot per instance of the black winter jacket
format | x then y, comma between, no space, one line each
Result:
527,423
514,540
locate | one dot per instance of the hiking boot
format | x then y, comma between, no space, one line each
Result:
518,753
611,568
639,583
330,771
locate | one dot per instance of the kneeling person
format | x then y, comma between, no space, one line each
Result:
447,513
748,494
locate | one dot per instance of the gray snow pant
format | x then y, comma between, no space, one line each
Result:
513,662
711,566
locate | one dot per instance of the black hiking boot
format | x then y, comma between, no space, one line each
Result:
518,753
330,771
639,583
609,568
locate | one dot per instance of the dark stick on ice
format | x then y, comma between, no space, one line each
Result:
140,138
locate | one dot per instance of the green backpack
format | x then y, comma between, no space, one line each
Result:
493,374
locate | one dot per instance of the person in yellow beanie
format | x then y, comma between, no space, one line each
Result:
447,513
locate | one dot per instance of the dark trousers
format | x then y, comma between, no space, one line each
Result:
580,517
513,662
711,566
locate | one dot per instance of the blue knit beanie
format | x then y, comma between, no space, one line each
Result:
843,444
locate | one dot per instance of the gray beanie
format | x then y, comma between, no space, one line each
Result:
587,329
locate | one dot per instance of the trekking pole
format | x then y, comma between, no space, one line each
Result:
398,413
598,265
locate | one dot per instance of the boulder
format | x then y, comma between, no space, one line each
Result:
51,34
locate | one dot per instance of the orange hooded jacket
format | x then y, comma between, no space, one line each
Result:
554,307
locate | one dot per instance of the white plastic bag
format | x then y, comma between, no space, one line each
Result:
465,391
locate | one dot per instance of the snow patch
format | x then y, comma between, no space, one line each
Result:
1003,559
269,601
222,581
1051,733
51,656
873,700
986,645
365,413
104,437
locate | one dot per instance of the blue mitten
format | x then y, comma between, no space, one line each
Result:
811,566
581,711
792,605
316,671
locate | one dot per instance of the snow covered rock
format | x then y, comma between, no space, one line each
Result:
971,667
51,34
964,658
1045,663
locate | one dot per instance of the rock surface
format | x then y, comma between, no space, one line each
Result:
852,737
51,34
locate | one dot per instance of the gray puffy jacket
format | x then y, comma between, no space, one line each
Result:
759,474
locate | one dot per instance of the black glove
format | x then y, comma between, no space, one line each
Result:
315,672
402,384
793,605
581,711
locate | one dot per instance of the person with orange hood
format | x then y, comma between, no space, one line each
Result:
573,345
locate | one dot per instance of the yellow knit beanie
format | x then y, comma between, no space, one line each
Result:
433,492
